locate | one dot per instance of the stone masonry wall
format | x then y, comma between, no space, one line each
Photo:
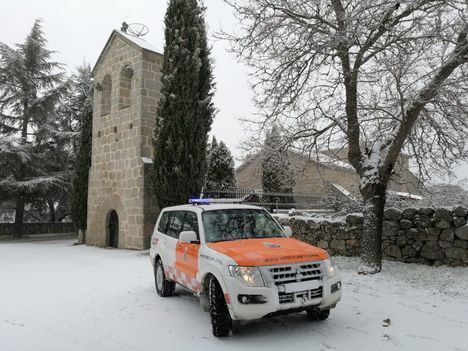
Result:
426,235
122,146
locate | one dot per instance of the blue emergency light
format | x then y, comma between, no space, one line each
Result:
200,201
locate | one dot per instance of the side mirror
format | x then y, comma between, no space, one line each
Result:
188,237
288,231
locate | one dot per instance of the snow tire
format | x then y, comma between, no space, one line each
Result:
221,323
164,287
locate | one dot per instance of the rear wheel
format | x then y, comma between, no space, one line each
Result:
315,314
221,323
164,287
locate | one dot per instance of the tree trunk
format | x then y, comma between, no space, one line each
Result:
371,242
51,206
81,236
19,216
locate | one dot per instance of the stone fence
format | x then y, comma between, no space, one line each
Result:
425,235
18,230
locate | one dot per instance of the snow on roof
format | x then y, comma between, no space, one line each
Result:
331,161
138,42
342,190
141,42
406,195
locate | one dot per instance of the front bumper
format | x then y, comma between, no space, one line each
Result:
271,302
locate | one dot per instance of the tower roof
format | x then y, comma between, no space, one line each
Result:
136,42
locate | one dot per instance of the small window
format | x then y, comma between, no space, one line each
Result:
190,222
106,95
175,223
125,90
162,227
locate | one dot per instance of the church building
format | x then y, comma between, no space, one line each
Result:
121,206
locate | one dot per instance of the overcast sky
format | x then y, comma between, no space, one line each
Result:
78,30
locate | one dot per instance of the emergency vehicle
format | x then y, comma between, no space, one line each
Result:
241,263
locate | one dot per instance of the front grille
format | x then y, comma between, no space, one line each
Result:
301,295
295,273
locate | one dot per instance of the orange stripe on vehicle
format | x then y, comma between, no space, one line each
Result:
269,251
227,298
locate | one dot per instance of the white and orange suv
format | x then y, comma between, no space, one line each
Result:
241,263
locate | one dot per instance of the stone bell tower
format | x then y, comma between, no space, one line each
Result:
121,206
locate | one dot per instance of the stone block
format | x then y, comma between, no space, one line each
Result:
416,234
409,251
339,245
432,251
442,225
323,244
390,228
354,219
461,211
461,243
428,211
392,214
443,214
455,253
447,235
392,251
406,224
353,243
462,232
409,213
422,221
459,221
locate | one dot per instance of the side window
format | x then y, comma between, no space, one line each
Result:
191,222
175,224
162,227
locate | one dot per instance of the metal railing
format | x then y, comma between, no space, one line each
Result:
269,200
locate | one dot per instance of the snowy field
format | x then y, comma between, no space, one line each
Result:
56,296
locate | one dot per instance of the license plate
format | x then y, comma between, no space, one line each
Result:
302,286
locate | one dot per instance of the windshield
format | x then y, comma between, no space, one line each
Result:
235,224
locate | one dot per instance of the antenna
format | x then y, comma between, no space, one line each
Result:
135,29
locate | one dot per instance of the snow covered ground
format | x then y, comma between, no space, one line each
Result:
56,296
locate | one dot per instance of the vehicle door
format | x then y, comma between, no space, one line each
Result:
169,241
187,254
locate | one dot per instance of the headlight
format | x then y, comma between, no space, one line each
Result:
250,276
329,267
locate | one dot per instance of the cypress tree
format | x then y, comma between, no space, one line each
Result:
220,173
82,107
185,111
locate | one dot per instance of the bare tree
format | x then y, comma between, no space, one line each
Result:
376,77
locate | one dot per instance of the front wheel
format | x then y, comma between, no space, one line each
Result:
221,323
315,314
164,287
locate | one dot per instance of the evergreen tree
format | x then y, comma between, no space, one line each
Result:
31,86
277,175
220,173
81,106
185,110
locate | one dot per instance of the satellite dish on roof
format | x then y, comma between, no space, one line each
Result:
135,29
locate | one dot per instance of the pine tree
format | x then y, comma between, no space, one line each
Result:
185,110
81,106
31,85
277,175
220,173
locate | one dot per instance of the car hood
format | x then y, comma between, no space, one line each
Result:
269,251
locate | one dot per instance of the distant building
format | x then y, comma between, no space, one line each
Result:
121,207
327,172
